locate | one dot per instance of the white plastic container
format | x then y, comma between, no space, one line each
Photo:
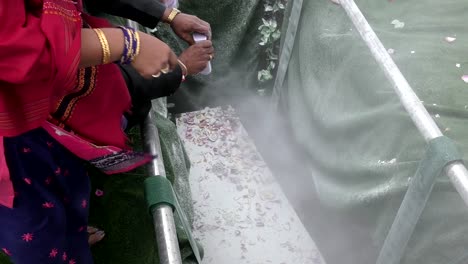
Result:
200,37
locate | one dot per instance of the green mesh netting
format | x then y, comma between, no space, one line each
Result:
361,146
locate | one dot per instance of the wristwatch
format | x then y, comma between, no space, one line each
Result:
172,15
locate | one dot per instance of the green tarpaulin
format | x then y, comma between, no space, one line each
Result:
362,148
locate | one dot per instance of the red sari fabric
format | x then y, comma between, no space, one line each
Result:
41,85
94,108
39,57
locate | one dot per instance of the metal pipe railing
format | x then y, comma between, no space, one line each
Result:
457,172
163,214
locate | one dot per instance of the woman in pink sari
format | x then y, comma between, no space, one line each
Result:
62,99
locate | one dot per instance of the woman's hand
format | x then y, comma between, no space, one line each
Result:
197,56
154,56
185,25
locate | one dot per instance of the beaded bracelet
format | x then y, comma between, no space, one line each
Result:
131,45
106,53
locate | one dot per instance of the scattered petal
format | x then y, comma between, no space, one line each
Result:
398,24
450,39
465,78
27,180
384,162
458,65
437,115
391,51
99,193
413,52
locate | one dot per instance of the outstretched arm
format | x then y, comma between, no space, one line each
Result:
146,12
149,13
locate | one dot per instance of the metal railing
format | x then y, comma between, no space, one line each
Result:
163,214
457,172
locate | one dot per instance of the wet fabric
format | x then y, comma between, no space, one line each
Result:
361,146
48,223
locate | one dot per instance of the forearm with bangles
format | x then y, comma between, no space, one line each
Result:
122,45
92,50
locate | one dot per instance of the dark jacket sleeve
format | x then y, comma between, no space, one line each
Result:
144,90
146,12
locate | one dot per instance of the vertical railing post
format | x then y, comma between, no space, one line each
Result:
163,214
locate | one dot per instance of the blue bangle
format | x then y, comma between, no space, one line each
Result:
130,44
125,55
134,43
